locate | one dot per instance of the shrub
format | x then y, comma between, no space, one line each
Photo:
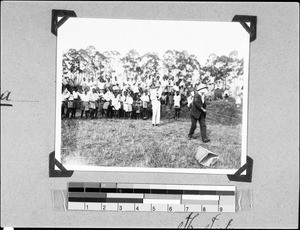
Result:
222,112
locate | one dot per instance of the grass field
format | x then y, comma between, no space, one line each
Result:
136,143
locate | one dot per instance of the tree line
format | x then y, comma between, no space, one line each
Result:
224,72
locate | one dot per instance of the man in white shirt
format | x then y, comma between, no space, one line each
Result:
155,95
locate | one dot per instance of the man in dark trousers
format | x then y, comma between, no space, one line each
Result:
198,112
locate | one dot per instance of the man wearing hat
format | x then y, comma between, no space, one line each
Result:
198,112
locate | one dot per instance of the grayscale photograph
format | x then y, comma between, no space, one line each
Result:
146,95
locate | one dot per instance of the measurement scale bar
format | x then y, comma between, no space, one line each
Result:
120,197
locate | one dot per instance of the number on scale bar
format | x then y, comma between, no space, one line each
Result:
149,207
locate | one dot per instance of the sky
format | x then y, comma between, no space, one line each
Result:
200,38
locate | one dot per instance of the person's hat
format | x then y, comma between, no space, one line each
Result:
201,86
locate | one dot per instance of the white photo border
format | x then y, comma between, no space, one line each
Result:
244,147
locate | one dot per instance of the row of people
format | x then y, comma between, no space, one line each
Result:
92,102
136,84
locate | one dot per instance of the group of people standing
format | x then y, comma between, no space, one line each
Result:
129,100
109,104
93,103
113,103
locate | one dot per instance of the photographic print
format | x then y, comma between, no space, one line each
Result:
152,95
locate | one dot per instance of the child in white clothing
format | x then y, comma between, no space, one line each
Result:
177,99
115,103
145,100
122,103
93,97
70,104
85,97
64,98
129,102
76,102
